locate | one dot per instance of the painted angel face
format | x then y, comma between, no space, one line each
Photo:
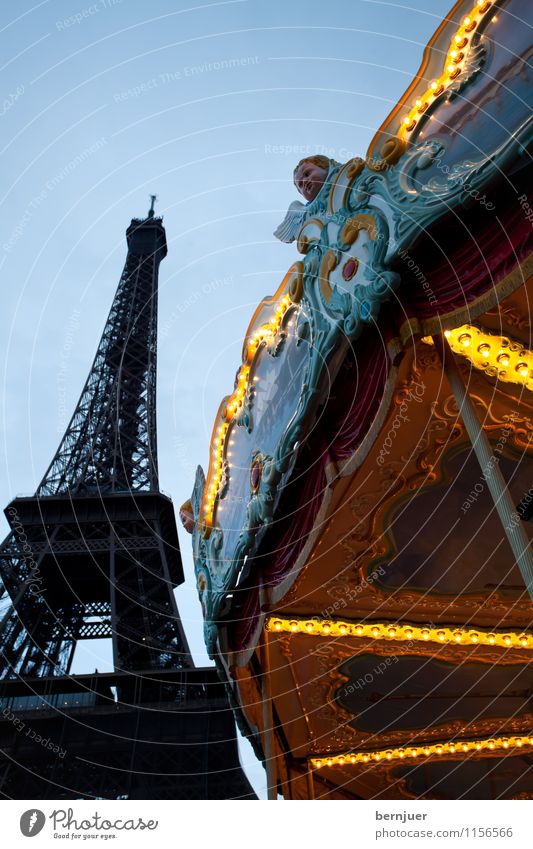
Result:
309,179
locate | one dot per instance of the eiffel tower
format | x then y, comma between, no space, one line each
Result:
95,554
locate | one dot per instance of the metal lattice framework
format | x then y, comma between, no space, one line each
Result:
95,552
111,440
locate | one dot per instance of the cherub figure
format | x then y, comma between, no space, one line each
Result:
309,176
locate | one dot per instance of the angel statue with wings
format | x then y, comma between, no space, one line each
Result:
310,176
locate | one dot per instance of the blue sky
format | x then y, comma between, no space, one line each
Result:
208,105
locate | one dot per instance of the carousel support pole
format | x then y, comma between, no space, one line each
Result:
516,535
268,718
310,782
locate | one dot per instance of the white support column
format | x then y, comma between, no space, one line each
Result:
268,718
517,537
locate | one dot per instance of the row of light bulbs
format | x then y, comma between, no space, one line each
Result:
399,632
455,56
233,404
505,359
453,747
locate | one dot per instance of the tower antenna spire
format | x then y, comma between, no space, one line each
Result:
153,199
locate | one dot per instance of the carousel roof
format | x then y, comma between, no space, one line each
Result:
361,538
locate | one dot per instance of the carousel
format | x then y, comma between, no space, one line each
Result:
362,536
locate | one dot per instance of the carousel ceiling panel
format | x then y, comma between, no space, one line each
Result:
361,694
415,692
430,550
487,778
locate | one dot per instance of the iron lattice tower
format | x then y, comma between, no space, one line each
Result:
95,552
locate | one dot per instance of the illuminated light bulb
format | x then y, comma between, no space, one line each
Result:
474,638
507,640
441,635
352,759
342,629
426,750
522,369
484,349
519,742
365,759
447,333
425,634
326,629
294,626
377,756
465,747
392,632
318,764
523,640
505,744
277,626
341,761
359,629
329,762
451,68
414,752
491,744
465,339
503,359
309,626
408,633
478,746
439,750
494,19
491,638
375,632
452,748
401,753
389,755
458,636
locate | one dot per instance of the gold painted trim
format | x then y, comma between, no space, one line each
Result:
353,227
329,262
